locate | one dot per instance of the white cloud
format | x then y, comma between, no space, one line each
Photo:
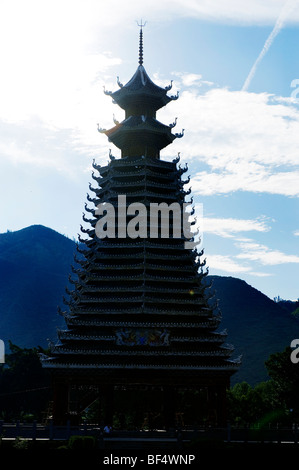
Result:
244,138
296,233
46,43
50,68
251,253
51,45
233,127
229,227
226,264
249,141
257,252
284,183
191,79
260,274
230,11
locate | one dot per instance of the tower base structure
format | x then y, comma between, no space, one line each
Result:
141,401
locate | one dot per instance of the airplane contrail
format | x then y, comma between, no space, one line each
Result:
280,22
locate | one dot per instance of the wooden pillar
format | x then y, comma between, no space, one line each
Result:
221,405
169,398
212,405
100,407
108,394
217,404
60,403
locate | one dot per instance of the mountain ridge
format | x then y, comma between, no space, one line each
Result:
35,263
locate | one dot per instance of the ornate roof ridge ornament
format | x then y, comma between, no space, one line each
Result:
119,83
174,123
141,25
168,87
106,91
101,130
181,134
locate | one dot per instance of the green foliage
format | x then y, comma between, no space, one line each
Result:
24,385
285,376
25,391
20,444
274,401
82,443
296,312
257,405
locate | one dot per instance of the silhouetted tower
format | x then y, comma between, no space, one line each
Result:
140,318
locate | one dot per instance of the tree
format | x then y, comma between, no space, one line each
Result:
24,384
296,312
285,375
254,405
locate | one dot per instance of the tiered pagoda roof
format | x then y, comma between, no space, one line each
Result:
140,132
137,93
139,303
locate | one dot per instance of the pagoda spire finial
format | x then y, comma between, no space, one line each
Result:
141,25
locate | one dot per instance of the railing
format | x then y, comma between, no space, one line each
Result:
245,434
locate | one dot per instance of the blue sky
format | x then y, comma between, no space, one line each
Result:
241,144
